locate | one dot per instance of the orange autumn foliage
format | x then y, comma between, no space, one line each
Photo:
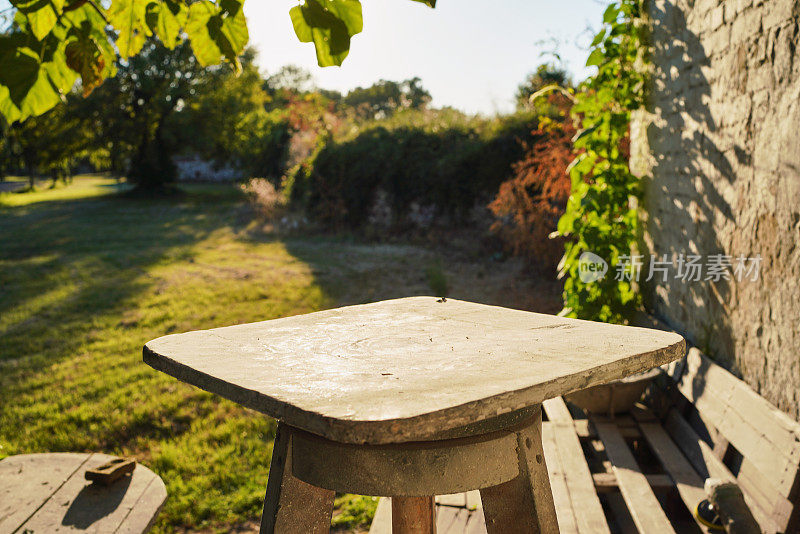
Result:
529,204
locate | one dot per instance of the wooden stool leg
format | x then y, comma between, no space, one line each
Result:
413,515
523,505
291,505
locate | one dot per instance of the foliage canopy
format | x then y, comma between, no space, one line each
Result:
51,44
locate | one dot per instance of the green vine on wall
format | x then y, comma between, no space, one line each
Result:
601,215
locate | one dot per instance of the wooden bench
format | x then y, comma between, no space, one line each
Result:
644,471
49,493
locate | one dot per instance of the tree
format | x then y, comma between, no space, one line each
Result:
50,44
546,74
384,97
226,120
49,144
142,97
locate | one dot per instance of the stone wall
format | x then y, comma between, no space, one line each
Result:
720,152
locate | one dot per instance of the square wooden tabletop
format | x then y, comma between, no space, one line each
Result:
407,369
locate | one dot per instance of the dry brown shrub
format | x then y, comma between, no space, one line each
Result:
267,201
528,205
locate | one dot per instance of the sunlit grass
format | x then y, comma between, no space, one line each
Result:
85,282
87,276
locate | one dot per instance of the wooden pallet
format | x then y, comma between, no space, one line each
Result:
644,471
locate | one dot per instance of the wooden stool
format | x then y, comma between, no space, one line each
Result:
49,493
506,465
409,398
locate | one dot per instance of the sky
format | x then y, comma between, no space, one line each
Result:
470,54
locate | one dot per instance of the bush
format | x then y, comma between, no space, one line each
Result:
439,159
266,200
529,205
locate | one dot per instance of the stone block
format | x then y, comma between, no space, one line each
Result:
745,25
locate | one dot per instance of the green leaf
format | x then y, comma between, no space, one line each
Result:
234,36
595,58
204,46
42,21
165,18
128,18
217,31
429,3
598,38
329,24
28,89
610,14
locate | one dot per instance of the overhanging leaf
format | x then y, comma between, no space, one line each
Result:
84,57
329,24
197,27
28,87
128,18
165,18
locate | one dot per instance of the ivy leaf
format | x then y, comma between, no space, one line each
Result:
595,58
598,38
610,14
329,24
128,17
429,3
42,21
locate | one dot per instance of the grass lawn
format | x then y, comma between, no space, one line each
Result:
88,275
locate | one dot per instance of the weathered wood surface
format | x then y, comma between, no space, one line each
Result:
49,493
767,437
725,413
413,515
581,488
292,506
687,481
406,369
639,497
523,505
455,514
706,463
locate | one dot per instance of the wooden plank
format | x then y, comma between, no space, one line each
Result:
413,515
578,478
29,480
523,505
382,521
607,482
620,514
558,483
585,429
752,481
642,503
557,411
707,465
769,438
687,481
144,512
291,505
78,506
